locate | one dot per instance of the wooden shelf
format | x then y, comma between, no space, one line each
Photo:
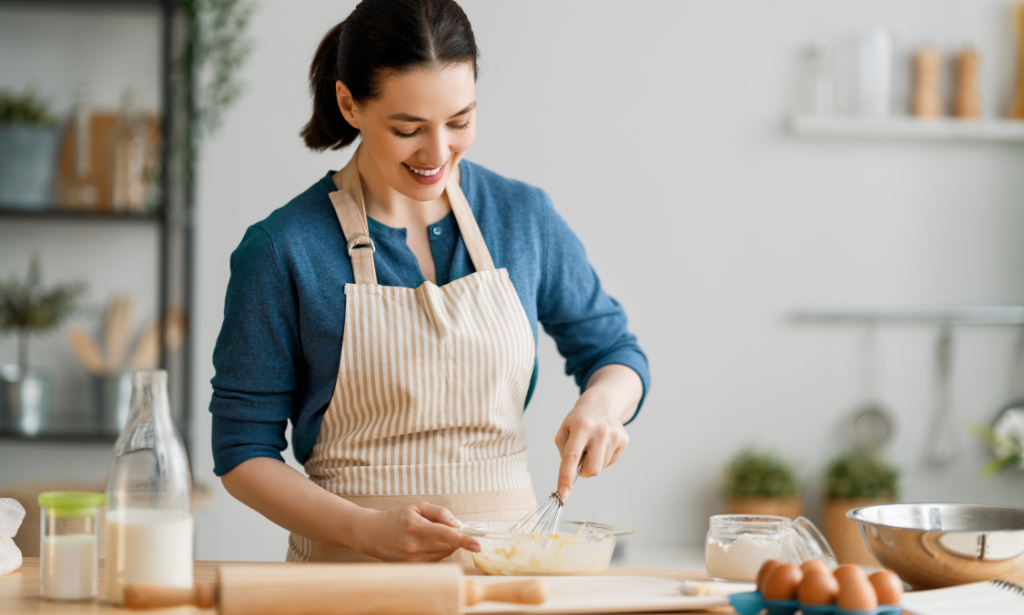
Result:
51,213
909,128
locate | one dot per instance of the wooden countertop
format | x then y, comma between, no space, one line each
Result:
19,591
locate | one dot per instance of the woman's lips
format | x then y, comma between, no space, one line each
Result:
435,174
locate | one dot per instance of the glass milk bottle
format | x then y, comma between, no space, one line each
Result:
149,496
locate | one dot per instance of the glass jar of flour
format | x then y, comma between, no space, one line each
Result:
149,529
737,545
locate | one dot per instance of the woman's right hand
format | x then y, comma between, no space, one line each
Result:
419,533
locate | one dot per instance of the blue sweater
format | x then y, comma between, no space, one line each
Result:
279,348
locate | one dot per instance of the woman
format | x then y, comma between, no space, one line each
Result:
390,312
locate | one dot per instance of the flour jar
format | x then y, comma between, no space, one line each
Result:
737,545
69,544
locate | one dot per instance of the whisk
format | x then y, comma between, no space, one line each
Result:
544,518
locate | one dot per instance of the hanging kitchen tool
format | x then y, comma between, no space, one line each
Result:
337,589
945,445
1009,421
870,426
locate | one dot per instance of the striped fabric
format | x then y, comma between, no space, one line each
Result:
430,391
432,380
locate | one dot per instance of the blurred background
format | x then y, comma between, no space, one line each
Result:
813,262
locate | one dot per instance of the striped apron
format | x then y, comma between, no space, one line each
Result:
431,388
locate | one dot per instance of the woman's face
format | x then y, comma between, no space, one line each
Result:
417,130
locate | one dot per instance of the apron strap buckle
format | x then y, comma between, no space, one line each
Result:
359,241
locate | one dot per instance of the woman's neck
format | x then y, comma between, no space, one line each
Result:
392,208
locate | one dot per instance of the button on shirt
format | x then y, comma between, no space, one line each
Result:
279,347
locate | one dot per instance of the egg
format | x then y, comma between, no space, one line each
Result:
818,588
888,586
766,568
814,564
856,594
845,570
782,582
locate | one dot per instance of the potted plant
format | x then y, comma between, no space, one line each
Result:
854,480
1006,441
28,151
27,307
759,482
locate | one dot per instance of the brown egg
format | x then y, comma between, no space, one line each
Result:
847,569
782,582
856,594
815,564
818,588
766,568
888,586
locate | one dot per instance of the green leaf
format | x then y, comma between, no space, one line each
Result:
756,473
861,475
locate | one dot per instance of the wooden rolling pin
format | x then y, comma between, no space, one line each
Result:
336,589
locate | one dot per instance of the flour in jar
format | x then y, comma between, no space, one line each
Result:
740,559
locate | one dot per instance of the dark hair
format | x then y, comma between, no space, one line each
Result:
377,37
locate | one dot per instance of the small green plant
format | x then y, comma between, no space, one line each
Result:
25,108
1008,448
754,473
862,475
27,307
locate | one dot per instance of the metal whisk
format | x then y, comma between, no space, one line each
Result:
544,518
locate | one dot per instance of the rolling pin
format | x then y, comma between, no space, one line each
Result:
336,589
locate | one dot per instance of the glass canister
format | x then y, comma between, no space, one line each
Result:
69,544
737,545
149,527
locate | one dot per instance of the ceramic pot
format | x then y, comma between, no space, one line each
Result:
844,534
790,508
24,400
28,160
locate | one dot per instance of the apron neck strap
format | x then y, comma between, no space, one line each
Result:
351,211
350,208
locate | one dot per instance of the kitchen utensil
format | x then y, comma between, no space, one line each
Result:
870,426
927,99
117,330
544,518
1017,112
874,74
939,545
87,352
945,445
336,589
147,349
738,545
574,547
967,100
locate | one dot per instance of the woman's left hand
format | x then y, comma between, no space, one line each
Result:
595,424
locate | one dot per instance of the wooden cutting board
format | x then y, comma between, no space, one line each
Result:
604,594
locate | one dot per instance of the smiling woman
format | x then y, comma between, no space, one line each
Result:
391,313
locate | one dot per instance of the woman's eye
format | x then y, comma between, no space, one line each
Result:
459,126
405,135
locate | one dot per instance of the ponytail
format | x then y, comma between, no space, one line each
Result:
328,128
382,36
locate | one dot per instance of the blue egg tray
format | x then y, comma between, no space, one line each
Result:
752,603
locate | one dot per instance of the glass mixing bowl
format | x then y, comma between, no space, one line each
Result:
575,548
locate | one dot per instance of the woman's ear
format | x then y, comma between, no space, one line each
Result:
346,104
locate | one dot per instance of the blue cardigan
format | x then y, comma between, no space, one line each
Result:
279,348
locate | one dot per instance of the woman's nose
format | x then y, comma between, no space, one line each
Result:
437,151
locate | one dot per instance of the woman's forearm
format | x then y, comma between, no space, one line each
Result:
619,386
292,501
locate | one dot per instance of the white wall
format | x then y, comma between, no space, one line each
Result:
657,129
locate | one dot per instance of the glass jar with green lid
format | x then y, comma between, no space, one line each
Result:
69,544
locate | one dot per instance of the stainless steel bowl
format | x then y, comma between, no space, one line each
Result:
939,545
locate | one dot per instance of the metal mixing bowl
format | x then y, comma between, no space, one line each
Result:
939,545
